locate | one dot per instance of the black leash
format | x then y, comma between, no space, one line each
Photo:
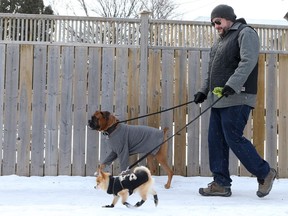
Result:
165,110
144,156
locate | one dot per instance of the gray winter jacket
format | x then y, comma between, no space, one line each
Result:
248,41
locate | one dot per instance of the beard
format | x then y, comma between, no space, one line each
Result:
222,32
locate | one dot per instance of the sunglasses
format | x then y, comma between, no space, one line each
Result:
217,22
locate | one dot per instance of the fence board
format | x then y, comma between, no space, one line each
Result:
121,87
193,139
108,72
204,157
2,90
93,147
167,100
258,112
271,110
79,123
133,91
38,115
153,98
283,120
10,120
180,97
66,111
25,114
52,112
121,84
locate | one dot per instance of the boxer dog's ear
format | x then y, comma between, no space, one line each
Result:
105,115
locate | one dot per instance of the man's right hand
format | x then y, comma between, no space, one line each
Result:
199,97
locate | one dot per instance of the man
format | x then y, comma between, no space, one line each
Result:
234,67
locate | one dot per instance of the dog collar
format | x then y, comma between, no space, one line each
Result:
110,129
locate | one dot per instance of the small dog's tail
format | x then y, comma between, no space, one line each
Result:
143,168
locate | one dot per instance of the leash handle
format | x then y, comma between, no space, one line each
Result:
201,113
165,110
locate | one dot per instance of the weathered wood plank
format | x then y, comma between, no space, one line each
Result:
52,111
79,123
134,92
133,87
283,119
108,72
180,113
167,101
2,93
11,99
258,112
66,114
121,87
271,110
38,106
193,139
153,95
25,111
204,163
94,71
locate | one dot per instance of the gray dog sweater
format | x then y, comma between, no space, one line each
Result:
127,140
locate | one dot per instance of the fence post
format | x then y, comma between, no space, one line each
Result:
144,29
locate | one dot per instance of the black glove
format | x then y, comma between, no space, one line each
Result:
227,90
199,97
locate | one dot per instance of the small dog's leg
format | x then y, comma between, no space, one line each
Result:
128,205
155,199
108,206
115,200
138,204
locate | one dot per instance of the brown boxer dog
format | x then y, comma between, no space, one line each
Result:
125,140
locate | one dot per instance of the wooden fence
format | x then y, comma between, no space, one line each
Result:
49,90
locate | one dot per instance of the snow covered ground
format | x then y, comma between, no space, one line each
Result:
76,196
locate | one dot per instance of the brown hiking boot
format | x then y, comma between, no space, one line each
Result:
265,185
215,189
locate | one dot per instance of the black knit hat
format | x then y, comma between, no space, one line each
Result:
223,11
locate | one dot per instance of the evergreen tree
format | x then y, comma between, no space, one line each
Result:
25,6
20,31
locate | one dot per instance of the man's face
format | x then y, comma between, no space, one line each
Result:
221,25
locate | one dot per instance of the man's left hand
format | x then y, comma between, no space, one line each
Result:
227,90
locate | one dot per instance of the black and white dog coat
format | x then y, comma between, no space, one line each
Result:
129,181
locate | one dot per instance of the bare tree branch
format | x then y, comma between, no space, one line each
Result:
160,9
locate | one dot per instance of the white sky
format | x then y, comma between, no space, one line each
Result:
191,9
249,9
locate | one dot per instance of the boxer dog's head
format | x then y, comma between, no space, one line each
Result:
102,120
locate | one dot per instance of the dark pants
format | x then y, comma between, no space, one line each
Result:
226,131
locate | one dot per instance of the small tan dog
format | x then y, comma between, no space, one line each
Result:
122,186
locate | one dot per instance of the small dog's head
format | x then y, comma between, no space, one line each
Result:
101,120
102,180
